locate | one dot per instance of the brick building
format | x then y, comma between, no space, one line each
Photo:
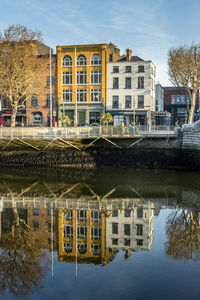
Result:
36,109
175,103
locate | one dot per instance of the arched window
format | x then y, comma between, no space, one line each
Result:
81,60
67,61
96,60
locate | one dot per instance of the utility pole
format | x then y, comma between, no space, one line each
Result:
75,109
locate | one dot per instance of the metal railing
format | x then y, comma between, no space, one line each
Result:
82,132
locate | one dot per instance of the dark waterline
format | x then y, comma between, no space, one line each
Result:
99,234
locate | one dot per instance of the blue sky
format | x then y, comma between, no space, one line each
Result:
148,27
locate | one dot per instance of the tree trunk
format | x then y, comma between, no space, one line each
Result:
192,108
13,117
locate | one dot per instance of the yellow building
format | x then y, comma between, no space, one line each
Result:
81,81
82,237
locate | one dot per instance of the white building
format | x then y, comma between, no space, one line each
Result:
131,90
131,229
159,97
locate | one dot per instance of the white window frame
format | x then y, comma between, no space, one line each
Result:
96,249
67,61
65,233
95,235
96,60
95,95
81,93
96,77
67,96
82,235
81,60
68,246
67,78
81,77
82,218
96,216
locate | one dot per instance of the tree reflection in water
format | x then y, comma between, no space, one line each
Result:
183,233
23,264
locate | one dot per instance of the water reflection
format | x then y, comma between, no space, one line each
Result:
88,221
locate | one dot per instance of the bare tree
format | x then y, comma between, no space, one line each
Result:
184,70
183,233
19,68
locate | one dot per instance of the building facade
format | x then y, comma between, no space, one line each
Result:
131,229
38,106
175,103
159,97
131,90
81,81
36,109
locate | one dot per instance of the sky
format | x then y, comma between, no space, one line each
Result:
148,27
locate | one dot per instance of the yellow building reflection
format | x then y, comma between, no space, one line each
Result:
82,237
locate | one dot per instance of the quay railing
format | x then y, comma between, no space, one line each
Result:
69,133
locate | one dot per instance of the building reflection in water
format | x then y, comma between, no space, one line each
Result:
85,228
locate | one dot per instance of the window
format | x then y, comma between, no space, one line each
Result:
68,247
82,232
66,77
115,82
81,77
48,100
96,233
139,229
128,69
96,249
96,60
115,69
139,212
96,216
36,210
141,101
115,213
81,60
67,61
128,82
37,117
35,225
81,214
127,242
115,228
110,57
81,95
94,117
82,248
140,69
127,229
127,213
68,231
67,95
140,82
95,95
115,103
96,76
68,215
139,242
48,81
128,102
114,241
34,101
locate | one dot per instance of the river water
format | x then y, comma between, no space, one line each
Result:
99,234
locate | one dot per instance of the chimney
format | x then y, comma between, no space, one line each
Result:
128,54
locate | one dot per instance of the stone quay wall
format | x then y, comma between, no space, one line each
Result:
181,151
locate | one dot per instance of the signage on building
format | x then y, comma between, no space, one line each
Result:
179,100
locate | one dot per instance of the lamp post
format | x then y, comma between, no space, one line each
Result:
50,87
